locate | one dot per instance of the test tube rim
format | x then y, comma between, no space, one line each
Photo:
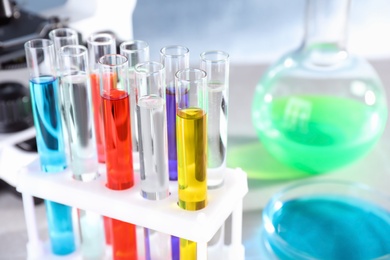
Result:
143,46
74,46
185,52
149,63
44,43
183,71
92,39
71,32
116,55
223,54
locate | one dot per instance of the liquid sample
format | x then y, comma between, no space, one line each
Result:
216,134
79,122
59,218
171,131
343,228
92,235
175,248
47,121
192,158
124,241
119,158
107,229
133,110
153,145
187,249
318,133
97,111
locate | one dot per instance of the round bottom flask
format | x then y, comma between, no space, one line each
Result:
319,108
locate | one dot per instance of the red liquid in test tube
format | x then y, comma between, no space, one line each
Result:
119,158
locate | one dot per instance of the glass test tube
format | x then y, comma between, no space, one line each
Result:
114,91
75,90
135,51
152,124
174,58
40,56
152,136
191,127
99,44
216,65
62,37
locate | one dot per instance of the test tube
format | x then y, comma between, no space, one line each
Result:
191,124
40,56
62,37
114,91
99,44
174,58
152,124
75,90
216,65
136,51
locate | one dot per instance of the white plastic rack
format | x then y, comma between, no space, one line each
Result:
163,216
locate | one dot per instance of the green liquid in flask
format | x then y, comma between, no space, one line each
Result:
318,133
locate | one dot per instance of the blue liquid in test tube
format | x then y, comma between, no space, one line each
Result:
51,149
61,234
44,95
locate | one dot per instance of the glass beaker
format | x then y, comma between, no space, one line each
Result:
333,219
320,108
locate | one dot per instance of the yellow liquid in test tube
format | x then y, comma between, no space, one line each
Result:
187,249
192,167
191,128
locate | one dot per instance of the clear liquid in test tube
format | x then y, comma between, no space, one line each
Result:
76,94
152,125
136,51
216,65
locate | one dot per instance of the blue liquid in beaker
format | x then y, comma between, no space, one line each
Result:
331,228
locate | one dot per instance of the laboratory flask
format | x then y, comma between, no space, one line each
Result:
319,107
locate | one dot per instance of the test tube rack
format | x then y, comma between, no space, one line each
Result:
163,216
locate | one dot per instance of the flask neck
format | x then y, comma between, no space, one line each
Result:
326,24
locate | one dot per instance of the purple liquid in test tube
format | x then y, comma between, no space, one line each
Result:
174,58
171,125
